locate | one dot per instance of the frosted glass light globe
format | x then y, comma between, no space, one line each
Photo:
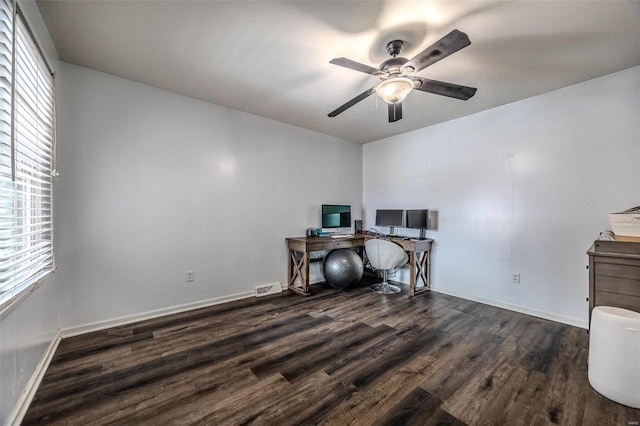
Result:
395,89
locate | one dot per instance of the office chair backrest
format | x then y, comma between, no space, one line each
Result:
383,254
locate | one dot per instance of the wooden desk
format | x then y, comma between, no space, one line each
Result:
299,248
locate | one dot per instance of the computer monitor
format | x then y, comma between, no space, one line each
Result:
418,219
336,216
390,218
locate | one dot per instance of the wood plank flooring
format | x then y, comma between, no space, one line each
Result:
348,357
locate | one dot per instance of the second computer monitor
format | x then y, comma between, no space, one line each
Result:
391,218
418,219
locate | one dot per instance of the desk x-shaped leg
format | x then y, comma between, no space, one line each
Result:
420,271
299,268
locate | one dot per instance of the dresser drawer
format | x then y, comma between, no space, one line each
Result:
624,301
617,270
618,285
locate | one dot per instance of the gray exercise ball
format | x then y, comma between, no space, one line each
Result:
342,268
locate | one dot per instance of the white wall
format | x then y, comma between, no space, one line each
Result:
26,333
153,184
525,187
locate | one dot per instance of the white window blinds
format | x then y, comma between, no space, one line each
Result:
26,158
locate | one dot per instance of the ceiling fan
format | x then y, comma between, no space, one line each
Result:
398,74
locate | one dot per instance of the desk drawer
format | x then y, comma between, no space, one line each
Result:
309,244
330,245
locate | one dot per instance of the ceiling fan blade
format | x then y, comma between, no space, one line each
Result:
442,48
445,89
395,112
353,101
348,63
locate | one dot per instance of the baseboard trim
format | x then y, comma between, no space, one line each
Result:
116,322
21,407
518,308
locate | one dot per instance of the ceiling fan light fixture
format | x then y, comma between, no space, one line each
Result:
406,70
395,89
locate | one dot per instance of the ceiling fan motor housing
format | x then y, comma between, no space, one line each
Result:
393,65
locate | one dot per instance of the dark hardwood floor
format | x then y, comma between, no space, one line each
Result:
335,358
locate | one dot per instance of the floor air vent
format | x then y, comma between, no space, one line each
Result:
266,289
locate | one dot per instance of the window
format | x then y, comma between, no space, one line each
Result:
26,158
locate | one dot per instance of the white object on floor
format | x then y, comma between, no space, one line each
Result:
614,354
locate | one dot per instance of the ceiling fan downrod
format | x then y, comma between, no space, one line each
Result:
395,47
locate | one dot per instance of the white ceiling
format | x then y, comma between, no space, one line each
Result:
271,58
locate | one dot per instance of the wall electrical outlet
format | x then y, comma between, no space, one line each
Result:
515,277
190,276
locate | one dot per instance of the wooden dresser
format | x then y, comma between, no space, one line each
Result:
614,275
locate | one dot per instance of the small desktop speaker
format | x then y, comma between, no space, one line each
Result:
358,226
